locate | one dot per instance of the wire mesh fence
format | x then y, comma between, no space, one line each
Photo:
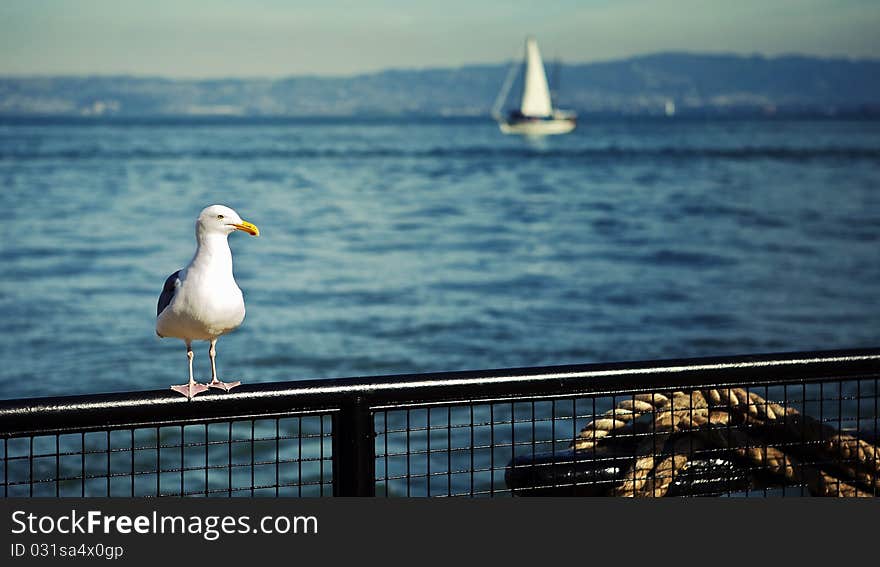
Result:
748,440
777,425
284,456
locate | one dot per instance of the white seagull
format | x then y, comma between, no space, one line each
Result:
202,301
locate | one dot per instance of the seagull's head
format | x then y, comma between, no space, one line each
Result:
219,219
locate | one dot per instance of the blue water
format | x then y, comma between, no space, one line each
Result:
393,247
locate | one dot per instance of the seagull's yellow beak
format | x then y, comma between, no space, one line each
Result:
247,227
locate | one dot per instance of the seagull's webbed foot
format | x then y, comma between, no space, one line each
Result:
226,386
215,383
190,390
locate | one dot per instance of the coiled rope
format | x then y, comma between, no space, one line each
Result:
779,440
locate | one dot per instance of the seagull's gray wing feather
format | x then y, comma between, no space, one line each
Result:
167,292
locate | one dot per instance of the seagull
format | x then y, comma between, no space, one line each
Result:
201,302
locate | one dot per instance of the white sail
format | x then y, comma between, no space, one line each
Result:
536,93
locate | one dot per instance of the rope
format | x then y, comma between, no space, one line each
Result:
780,441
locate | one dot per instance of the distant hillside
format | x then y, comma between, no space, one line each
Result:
638,85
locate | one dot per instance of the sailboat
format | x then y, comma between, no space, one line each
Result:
535,115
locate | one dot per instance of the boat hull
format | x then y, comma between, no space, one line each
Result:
538,127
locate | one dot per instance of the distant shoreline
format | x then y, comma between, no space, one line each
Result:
691,84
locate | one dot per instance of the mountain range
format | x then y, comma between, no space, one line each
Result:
649,84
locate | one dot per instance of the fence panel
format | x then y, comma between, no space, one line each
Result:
772,425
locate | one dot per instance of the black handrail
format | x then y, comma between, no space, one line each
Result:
49,415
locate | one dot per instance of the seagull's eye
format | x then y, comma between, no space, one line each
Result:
219,216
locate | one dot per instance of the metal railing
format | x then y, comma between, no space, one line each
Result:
806,423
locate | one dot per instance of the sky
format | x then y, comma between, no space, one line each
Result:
275,38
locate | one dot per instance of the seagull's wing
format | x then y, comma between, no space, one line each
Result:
168,292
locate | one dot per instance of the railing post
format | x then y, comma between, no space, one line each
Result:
354,450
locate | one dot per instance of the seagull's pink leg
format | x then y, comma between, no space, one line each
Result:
192,388
215,383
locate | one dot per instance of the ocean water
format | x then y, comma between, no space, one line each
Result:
396,247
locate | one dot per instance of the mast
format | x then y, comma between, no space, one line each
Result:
536,94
